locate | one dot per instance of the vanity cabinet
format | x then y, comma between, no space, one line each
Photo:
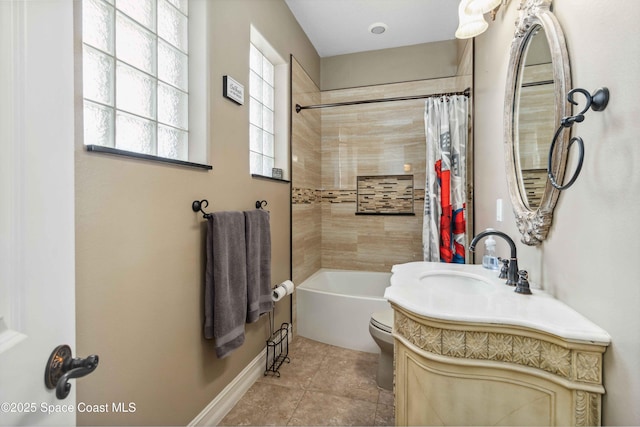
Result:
464,373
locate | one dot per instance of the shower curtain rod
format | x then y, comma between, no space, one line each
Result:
299,107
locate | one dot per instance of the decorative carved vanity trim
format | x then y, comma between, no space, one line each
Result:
570,363
588,408
576,366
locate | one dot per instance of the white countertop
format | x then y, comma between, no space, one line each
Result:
486,300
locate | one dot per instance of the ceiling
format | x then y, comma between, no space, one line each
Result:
338,27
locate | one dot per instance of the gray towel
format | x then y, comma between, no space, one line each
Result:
258,235
225,282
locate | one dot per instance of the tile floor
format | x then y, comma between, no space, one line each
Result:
322,386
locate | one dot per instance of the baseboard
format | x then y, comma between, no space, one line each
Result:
231,394
219,407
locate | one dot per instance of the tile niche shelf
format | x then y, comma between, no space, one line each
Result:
384,195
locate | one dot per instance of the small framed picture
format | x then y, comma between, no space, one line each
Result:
232,90
276,173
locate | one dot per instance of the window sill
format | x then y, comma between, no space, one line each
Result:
125,153
269,178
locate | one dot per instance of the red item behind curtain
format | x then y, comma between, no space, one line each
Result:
451,223
444,176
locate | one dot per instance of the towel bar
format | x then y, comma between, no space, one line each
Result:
198,205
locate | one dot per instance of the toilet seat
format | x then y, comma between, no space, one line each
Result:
383,320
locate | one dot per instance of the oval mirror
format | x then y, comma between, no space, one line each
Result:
537,82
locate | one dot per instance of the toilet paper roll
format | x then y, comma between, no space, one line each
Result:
278,293
288,285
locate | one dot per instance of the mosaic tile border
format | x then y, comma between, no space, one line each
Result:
309,195
304,196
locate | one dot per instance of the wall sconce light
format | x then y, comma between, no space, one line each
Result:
470,25
471,19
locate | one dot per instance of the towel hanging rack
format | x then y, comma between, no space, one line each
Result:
197,206
597,102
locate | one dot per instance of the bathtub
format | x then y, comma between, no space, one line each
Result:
335,306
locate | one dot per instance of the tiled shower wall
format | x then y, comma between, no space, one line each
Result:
378,139
331,147
305,177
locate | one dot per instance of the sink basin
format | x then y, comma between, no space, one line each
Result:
456,282
447,292
470,293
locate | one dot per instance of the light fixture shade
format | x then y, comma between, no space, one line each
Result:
475,7
470,25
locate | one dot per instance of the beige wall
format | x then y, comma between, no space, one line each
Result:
140,261
588,259
417,62
465,57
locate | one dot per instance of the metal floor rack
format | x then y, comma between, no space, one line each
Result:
277,348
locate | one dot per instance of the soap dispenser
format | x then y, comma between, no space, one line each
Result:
489,260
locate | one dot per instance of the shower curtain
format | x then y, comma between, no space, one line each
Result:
446,128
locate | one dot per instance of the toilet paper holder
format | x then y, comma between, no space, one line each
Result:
282,290
278,342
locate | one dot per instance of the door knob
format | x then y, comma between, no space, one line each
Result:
62,367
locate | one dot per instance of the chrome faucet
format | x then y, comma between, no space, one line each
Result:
512,273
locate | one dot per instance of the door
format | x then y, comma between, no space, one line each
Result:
37,302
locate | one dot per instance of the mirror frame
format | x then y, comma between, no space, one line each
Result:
534,224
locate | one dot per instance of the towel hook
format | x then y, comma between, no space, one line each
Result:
261,204
198,205
597,102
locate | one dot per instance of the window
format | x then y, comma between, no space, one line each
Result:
268,108
136,76
261,112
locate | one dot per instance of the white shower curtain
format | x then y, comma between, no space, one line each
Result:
444,226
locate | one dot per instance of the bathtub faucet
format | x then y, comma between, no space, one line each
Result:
512,274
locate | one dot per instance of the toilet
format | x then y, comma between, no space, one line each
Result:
380,328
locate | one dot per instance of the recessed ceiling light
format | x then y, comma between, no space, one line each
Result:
378,28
